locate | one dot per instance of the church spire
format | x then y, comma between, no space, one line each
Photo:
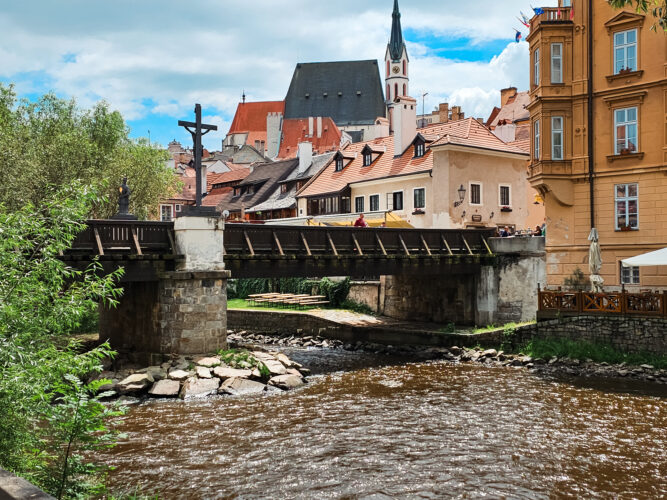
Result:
396,43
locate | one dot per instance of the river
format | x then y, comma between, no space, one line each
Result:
367,427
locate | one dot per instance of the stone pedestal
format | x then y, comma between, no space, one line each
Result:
200,240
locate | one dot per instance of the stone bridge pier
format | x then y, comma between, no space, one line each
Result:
183,311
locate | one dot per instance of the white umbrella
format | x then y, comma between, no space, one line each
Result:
595,261
657,258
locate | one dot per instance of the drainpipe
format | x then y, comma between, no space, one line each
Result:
591,150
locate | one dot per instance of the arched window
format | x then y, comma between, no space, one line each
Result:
405,68
395,90
388,92
388,68
405,89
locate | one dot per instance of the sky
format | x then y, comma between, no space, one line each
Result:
154,59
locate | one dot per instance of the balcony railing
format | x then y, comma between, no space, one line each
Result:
572,303
551,15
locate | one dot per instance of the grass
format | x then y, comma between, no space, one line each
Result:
348,305
505,327
599,353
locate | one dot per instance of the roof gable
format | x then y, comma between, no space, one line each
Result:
251,116
624,18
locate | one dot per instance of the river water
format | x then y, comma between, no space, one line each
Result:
378,429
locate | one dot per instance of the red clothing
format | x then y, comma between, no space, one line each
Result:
360,223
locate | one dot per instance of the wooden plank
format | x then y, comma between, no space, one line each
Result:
247,241
377,237
280,247
356,243
100,250
333,247
405,247
135,238
305,243
466,244
428,250
170,235
444,240
488,248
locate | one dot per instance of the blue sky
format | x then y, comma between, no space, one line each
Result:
152,60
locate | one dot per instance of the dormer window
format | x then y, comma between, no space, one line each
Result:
283,188
368,159
420,149
237,192
339,164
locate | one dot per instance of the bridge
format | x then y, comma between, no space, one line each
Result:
175,283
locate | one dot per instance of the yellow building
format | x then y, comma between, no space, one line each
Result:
599,137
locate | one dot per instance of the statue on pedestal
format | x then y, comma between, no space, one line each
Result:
124,202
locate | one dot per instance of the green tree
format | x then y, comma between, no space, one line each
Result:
52,142
49,415
656,8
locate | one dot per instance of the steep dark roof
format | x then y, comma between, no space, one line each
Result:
396,43
350,92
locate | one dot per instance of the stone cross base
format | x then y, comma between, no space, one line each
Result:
183,313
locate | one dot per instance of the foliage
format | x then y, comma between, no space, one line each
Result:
241,359
47,417
656,8
584,350
52,142
336,292
351,305
448,328
577,281
509,332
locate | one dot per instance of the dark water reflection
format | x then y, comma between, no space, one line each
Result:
429,430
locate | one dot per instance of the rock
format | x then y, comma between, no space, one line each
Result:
240,386
178,375
209,362
157,372
489,353
647,367
225,372
623,373
294,371
198,388
286,382
274,366
134,383
456,351
203,372
165,389
284,360
304,371
256,374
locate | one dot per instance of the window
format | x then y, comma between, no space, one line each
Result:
625,51
395,90
536,67
629,275
368,159
359,204
405,89
505,198
166,213
536,142
178,208
388,64
339,164
388,91
398,200
374,203
556,63
419,149
627,206
475,194
405,68
556,137
625,130
420,198
283,188
237,192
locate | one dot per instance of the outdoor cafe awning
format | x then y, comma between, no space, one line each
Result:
657,258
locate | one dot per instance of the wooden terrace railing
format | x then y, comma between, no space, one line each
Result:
118,236
551,15
613,303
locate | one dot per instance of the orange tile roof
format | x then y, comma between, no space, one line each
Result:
296,131
251,116
225,177
468,132
523,144
214,198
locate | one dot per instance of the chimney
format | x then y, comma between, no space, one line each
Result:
274,128
404,116
310,126
443,112
456,113
319,127
305,155
506,94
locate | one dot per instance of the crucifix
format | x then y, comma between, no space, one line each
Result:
197,130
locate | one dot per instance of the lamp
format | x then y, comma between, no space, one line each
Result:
538,200
462,196
463,214
492,215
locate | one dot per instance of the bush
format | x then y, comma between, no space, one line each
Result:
577,282
351,305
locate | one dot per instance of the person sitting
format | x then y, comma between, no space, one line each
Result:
360,222
505,232
538,231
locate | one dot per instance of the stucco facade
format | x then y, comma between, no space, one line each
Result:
626,189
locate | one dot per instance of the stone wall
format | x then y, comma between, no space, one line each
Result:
367,293
16,488
626,333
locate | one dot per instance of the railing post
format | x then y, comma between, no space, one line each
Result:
664,303
624,300
580,302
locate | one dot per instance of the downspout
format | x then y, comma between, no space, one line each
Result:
591,145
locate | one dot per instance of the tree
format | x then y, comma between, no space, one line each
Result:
49,414
656,8
52,142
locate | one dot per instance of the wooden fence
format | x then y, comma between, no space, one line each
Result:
613,303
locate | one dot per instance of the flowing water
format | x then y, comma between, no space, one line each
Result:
418,430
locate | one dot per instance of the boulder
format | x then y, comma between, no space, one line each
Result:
225,372
240,386
490,353
286,382
134,383
209,362
285,360
203,372
157,372
178,375
165,389
199,388
294,371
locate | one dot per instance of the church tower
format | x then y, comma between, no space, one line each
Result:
396,60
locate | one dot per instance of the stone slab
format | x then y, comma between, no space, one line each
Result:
225,372
198,388
165,389
240,386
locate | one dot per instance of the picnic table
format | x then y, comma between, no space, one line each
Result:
287,299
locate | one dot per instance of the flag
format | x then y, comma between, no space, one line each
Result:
526,25
526,21
518,36
558,13
538,11
572,10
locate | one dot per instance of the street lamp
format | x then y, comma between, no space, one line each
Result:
462,196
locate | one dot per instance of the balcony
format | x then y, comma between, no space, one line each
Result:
551,15
550,168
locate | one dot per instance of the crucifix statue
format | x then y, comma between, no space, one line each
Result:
197,130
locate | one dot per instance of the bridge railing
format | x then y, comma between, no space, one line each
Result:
116,236
649,303
254,240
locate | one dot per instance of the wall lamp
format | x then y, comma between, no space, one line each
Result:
462,196
463,214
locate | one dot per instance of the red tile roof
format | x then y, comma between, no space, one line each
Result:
234,175
251,117
296,131
468,132
214,198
